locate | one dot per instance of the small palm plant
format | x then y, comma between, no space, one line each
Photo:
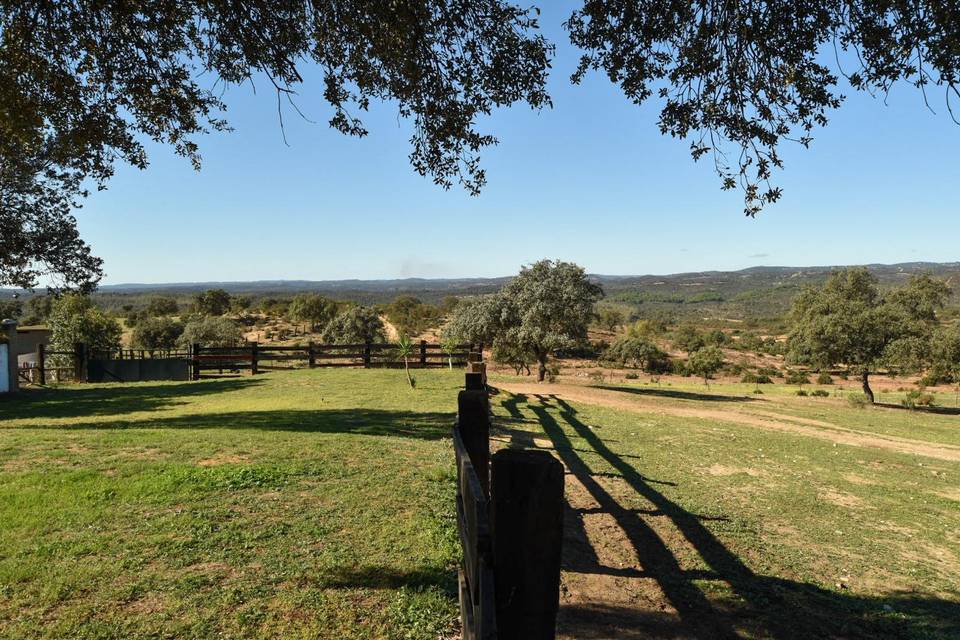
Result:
405,350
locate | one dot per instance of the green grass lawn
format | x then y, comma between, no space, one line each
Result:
748,532
309,504
319,504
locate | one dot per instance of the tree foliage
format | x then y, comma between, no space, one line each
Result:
10,309
211,332
212,302
705,362
156,334
740,77
610,318
411,316
84,84
355,325
849,321
547,307
162,306
637,352
313,309
74,319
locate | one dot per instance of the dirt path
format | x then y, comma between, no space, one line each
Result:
738,415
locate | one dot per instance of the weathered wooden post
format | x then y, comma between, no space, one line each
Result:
311,355
42,363
254,352
473,418
79,361
366,355
195,352
527,530
423,353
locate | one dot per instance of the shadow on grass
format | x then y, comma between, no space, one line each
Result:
81,401
675,394
377,577
761,606
946,411
373,422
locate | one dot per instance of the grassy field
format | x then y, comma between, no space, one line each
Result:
319,504
309,504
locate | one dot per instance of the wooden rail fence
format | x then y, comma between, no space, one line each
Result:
82,364
510,522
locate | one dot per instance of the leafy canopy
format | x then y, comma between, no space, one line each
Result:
73,319
312,308
83,85
211,332
355,325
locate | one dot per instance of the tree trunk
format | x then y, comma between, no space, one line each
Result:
542,369
865,380
406,367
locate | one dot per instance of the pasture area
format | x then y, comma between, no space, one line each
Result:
319,503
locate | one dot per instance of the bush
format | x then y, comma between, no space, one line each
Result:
797,377
771,372
820,393
801,392
632,376
753,378
678,368
858,400
824,378
758,392
156,334
917,398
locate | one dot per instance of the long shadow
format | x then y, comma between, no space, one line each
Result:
379,577
766,606
373,422
81,401
946,411
675,394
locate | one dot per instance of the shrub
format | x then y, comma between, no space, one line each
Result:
801,392
824,378
768,371
820,393
754,378
917,398
797,377
632,376
858,400
758,392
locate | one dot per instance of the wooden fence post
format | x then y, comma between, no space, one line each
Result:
253,358
79,358
42,363
527,530
366,355
195,352
423,353
473,418
311,355
474,381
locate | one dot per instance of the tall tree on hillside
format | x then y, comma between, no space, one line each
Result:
547,307
153,334
85,84
162,306
848,321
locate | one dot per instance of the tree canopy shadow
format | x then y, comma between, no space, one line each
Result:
675,394
374,422
760,606
79,401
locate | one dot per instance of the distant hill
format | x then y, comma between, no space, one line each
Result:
753,292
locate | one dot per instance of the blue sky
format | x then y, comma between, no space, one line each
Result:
591,180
